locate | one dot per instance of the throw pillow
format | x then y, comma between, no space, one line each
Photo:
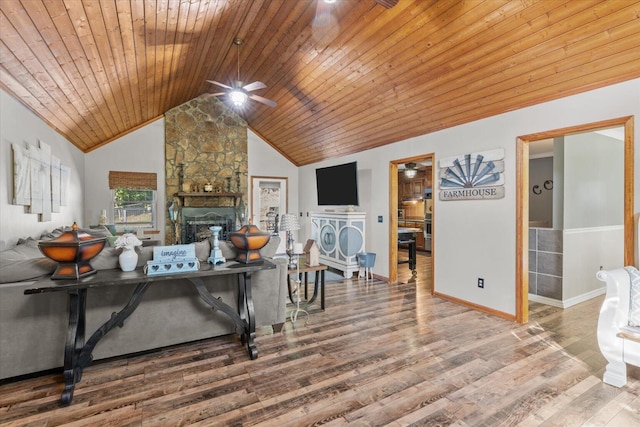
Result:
24,262
269,250
634,299
229,252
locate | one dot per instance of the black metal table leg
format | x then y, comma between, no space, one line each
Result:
318,284
247,313
77,354
75,341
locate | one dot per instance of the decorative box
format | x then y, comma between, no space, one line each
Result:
249,240
72,250
172,260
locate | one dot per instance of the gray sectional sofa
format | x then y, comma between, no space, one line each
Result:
33,327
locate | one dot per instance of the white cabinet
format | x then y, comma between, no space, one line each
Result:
340,237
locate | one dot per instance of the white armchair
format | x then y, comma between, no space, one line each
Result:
618,325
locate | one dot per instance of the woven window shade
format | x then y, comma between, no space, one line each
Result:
131,180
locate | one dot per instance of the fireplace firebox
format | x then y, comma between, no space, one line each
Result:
197,220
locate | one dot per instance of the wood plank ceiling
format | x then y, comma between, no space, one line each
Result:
347,76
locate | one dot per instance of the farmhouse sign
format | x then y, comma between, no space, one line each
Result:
472,176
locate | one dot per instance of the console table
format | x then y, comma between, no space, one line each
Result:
78,354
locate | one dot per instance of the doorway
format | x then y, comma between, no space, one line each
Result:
396,210
522,200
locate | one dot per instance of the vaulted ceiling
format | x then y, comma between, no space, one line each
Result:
347,76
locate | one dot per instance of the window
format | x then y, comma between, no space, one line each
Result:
134,200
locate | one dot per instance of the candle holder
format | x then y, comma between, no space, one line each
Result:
216,254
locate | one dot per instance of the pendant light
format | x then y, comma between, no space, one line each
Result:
410,170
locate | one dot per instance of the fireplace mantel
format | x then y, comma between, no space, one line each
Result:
182,196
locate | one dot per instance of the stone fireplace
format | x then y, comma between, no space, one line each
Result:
205,149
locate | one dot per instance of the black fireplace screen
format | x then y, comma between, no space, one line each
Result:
196,223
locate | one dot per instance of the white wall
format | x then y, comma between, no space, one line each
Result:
139,151
477,238
585,250
19,126
264,160
593,181
541,204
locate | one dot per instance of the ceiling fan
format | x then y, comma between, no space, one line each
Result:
239,93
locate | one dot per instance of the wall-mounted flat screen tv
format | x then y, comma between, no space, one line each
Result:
338,185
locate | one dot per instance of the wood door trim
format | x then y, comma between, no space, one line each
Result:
393,217
522,199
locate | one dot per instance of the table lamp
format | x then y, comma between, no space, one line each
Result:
289,223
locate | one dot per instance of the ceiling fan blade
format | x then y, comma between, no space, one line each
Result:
254,86
219,84
265,101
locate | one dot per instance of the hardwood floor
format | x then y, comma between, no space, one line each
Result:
379,355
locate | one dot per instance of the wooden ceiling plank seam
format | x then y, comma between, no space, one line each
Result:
140,47
258,20
502,74
225,58
184,21
47,80
57,117
214,52
195,80
195,50
117,55
34,103
265,36
297,35
99,34
285,66
545,92
44,85
87,82
388,95
453,75
331,103
91,43
320,65
124,13
149,62
240,19
165,61
395,89
204,63
63,71
474,110
308,83
160,38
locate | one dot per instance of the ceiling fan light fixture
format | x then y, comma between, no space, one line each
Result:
410,170
238,97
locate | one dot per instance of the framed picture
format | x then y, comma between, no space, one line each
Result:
268,203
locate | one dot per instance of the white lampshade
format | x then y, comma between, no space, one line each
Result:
289,222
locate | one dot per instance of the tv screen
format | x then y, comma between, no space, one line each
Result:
338,185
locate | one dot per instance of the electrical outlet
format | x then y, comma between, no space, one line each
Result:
480,282
379,218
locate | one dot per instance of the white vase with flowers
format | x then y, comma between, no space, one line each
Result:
128,259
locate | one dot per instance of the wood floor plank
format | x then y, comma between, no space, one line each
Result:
380,354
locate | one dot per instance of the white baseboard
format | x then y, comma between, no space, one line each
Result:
569,302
